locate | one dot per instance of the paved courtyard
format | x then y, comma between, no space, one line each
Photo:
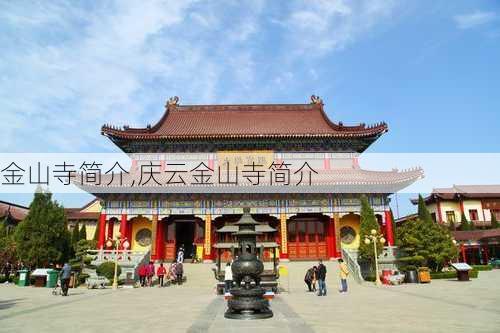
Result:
442,306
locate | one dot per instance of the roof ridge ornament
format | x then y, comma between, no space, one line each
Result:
173,101
316,100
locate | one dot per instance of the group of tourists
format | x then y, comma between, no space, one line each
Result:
316,275
174,274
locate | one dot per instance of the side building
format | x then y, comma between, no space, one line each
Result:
480,205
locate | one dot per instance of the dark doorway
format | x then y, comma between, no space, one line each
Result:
184,235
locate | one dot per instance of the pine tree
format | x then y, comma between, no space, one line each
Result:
426,243
367,224
96,233
42,237
464,224
75,235
423,212
83,232
494,222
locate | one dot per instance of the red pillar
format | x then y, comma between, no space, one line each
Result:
123,228
102,230
111,225
331,241
464,255
439,215
160,240
388,228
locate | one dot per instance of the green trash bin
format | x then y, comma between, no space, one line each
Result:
23,280
51,278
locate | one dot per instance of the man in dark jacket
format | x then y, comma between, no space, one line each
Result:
321,278
65,276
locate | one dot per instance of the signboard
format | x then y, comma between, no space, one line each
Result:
461,266
238,159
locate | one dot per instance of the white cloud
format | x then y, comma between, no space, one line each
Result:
467,21
320,26
67,69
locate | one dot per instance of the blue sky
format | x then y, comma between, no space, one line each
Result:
430,69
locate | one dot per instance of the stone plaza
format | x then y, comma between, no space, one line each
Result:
442,305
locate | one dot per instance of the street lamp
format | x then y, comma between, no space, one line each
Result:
115,243
375,238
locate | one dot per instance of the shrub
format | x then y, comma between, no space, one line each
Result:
452,275
82,277
107,269
482,267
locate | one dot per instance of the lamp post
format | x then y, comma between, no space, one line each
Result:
115,243
375,238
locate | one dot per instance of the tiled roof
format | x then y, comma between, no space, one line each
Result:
463,191
16,212
334,180
475,235
77,214
244,121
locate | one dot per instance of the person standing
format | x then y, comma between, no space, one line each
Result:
343,272
142,274
65,276
180,254
161,273
172,275
321,278
228,277
179,271
150,272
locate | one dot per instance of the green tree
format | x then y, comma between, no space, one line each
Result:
425,243
494,222
7,245
367,224
464,224
83,232
42,237
75,235
423,212
96,233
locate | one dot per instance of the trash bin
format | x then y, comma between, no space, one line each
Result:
424,275
23,278
51,278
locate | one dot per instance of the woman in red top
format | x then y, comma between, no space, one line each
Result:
142,275
161,273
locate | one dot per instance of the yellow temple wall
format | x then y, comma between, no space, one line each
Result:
138,224
352,221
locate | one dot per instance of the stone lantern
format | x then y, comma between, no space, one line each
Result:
248,300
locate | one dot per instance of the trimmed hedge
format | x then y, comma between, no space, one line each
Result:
482,267
107,269
452,275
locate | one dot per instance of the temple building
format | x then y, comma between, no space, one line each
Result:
479,204
194,171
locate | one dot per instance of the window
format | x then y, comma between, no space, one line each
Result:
450,216
473,214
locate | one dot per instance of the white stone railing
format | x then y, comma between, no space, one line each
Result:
353,266
124,256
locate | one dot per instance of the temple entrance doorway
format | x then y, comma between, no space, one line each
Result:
307,237
184,235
